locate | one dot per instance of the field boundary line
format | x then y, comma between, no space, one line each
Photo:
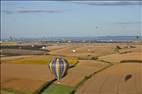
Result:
128,61
44,86
110,63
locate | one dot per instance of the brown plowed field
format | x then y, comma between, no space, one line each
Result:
83,50
22,52
3,59
94,49
116,58
24,76
30,74
123,78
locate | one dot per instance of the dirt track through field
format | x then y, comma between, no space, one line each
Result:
123,78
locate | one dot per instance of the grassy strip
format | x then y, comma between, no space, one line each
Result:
11,90
58,89
44,86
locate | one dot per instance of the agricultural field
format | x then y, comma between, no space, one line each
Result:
83,69
75,47
8,43
83,50
58,89
116,58
35,59
26,71
18,76
126,77
15,52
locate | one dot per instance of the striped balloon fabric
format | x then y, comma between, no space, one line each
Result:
58,66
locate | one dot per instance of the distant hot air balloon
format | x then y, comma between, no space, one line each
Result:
59,67
96,27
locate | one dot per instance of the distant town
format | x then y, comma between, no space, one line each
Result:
100,39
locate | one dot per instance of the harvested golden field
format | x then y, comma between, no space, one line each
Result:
28,86
30,72
83,50
34,59
83,69
41,59
7,58
116,58
54,47
123,78
92,49
135,48
24,76
18,72
8,43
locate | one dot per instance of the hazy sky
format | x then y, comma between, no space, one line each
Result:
70,18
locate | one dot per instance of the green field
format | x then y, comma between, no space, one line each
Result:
58,89
52,89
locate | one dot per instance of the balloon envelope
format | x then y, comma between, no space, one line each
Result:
58,66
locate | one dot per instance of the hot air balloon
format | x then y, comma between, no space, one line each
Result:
58,66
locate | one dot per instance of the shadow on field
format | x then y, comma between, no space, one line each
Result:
45,86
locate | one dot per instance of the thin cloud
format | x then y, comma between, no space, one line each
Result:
110,3
39,11
123,23
26,11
